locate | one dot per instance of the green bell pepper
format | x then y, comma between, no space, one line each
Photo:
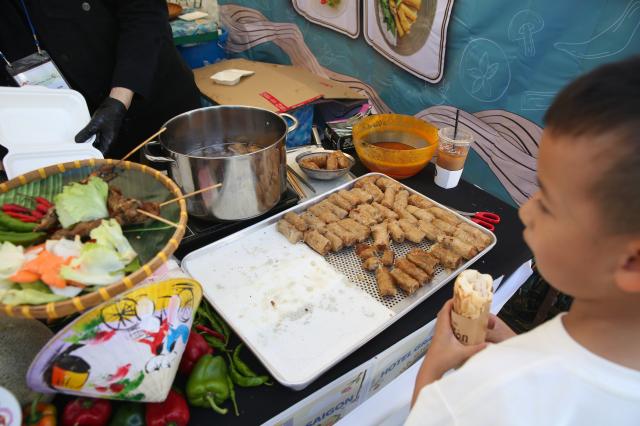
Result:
208,385
128,414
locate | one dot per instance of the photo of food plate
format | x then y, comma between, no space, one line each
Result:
342,16
329,8
405,24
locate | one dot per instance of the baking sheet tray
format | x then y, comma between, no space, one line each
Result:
300,312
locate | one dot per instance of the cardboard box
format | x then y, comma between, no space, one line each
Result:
277,88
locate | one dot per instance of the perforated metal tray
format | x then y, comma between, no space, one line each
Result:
254,279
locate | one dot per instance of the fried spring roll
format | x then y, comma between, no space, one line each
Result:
336,242
402,200
411,269
323,213
309,164
332,161
317,242
362,217
296,221
360,183
373,190
448,258
320,160
385,212
396,231
404,214
405,281
424,260
359,230
341,213
420,202
465,250
384,183
389,196
343,161
385,282
365,251
413,3
349,197
371,211
448,228
469,239
341,202
289,231
444,215
347,237
314,222
388,257
362,195
419,213
380,236
371,263
482,237
411,232
431,231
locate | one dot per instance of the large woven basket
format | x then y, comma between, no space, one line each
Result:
148,181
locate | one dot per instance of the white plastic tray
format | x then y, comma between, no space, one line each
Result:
299,312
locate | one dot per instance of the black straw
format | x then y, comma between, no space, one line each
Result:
455,129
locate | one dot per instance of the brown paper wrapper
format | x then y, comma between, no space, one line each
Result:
470,331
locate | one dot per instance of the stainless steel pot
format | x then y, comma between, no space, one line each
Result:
243,148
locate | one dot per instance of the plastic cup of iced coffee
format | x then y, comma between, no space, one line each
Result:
453,148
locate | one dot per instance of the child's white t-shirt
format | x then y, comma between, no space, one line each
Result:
542,377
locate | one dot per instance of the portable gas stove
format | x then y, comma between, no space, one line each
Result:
202,232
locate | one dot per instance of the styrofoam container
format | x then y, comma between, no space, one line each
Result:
38,126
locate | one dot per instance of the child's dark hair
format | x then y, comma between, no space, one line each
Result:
602,107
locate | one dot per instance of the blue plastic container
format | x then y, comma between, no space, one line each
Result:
201,54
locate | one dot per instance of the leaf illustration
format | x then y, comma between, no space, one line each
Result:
483,62
478,84
491,71
475,73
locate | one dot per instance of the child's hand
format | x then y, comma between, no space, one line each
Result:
445,351
498,330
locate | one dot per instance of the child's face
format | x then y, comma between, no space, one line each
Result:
563,225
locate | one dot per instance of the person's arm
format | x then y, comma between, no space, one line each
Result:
142,26
143,30
445,352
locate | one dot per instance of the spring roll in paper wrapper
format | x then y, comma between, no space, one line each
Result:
472,294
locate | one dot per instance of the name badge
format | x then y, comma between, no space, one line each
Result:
37,69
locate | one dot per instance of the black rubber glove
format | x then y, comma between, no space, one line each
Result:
105,124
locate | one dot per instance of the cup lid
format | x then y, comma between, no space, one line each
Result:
462,137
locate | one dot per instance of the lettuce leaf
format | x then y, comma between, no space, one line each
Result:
109,234
11,259
34,293
97,265
82,202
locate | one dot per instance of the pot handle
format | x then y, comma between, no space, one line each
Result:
155,158
292,118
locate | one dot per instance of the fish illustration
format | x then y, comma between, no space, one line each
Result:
601,46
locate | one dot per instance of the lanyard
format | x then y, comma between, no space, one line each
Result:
33,33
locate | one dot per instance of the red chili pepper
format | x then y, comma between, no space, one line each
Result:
86,412
23,217
209,331
44,202
42,208
196,348
174,411
38,215
15,208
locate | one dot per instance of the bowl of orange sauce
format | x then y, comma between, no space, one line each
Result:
395,144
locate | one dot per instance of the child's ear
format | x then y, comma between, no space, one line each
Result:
627,274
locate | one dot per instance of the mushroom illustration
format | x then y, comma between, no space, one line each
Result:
523,26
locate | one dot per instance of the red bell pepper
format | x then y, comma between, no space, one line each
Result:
174,411
196,348
86,412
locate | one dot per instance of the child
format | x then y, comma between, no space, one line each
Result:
583,226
